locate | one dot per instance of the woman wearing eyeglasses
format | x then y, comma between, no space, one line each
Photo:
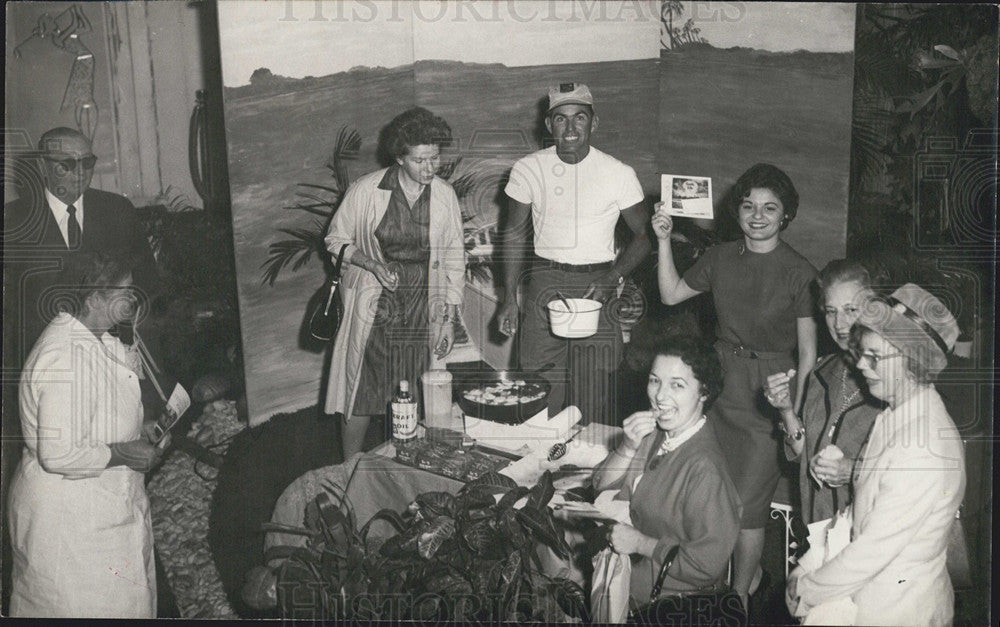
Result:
78,513
837,413
909,480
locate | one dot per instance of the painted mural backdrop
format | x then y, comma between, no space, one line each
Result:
309,86
692,89
742,83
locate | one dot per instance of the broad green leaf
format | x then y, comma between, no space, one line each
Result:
572,599
434,504
439,530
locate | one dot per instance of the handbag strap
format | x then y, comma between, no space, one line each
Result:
340,262
667,561
334,280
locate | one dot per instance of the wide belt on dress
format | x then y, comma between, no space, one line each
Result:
746,352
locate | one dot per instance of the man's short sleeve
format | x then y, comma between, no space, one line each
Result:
699,276
630,192
519,185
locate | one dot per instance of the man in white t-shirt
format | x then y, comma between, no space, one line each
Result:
572,196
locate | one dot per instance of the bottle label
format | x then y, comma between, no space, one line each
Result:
404,420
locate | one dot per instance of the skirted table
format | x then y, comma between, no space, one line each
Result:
374,481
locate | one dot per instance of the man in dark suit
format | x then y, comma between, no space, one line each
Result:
42,230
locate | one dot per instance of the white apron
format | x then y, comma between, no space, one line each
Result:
81,534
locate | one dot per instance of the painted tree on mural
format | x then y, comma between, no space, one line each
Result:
674,38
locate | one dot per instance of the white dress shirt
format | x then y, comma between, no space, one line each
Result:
59,212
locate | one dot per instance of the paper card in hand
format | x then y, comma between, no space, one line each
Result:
686,196
177,404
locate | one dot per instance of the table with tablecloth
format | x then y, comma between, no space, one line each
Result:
374,481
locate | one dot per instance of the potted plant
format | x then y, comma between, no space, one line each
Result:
469,556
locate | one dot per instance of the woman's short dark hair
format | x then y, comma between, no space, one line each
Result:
767,176
701,359
87,273
415,127
921,373
842,271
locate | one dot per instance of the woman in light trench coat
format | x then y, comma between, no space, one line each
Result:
908,482
403,277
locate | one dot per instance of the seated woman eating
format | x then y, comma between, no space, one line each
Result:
672,471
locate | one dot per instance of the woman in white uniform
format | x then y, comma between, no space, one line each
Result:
78,514
908,481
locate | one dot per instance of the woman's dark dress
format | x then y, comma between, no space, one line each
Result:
397,346
758,298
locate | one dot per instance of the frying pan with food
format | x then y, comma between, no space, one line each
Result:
512,414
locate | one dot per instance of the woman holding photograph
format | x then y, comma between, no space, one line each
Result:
404,274
672,471
78,512
761,290
838,412
908,482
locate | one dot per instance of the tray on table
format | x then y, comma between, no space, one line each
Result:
448,458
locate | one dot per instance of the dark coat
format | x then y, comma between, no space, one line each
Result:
35,254
825,424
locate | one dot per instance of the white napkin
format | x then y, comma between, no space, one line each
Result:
538,432
619,510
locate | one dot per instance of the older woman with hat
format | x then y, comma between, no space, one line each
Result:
909,480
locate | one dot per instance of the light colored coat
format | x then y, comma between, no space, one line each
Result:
81,532
354,224
908,486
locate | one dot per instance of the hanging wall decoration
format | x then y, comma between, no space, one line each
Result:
64,32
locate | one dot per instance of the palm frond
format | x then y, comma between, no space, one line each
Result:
464,184
295,252
314,209
347,147
481,273
325,188
281,254
448,168
330,204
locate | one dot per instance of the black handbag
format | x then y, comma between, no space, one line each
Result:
717,605
325,317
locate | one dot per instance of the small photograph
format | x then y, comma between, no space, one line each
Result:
687,196
690,188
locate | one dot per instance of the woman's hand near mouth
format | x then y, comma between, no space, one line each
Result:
636,427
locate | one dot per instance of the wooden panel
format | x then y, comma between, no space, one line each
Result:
175,53
123,98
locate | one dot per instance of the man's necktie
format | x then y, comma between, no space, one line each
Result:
72,228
